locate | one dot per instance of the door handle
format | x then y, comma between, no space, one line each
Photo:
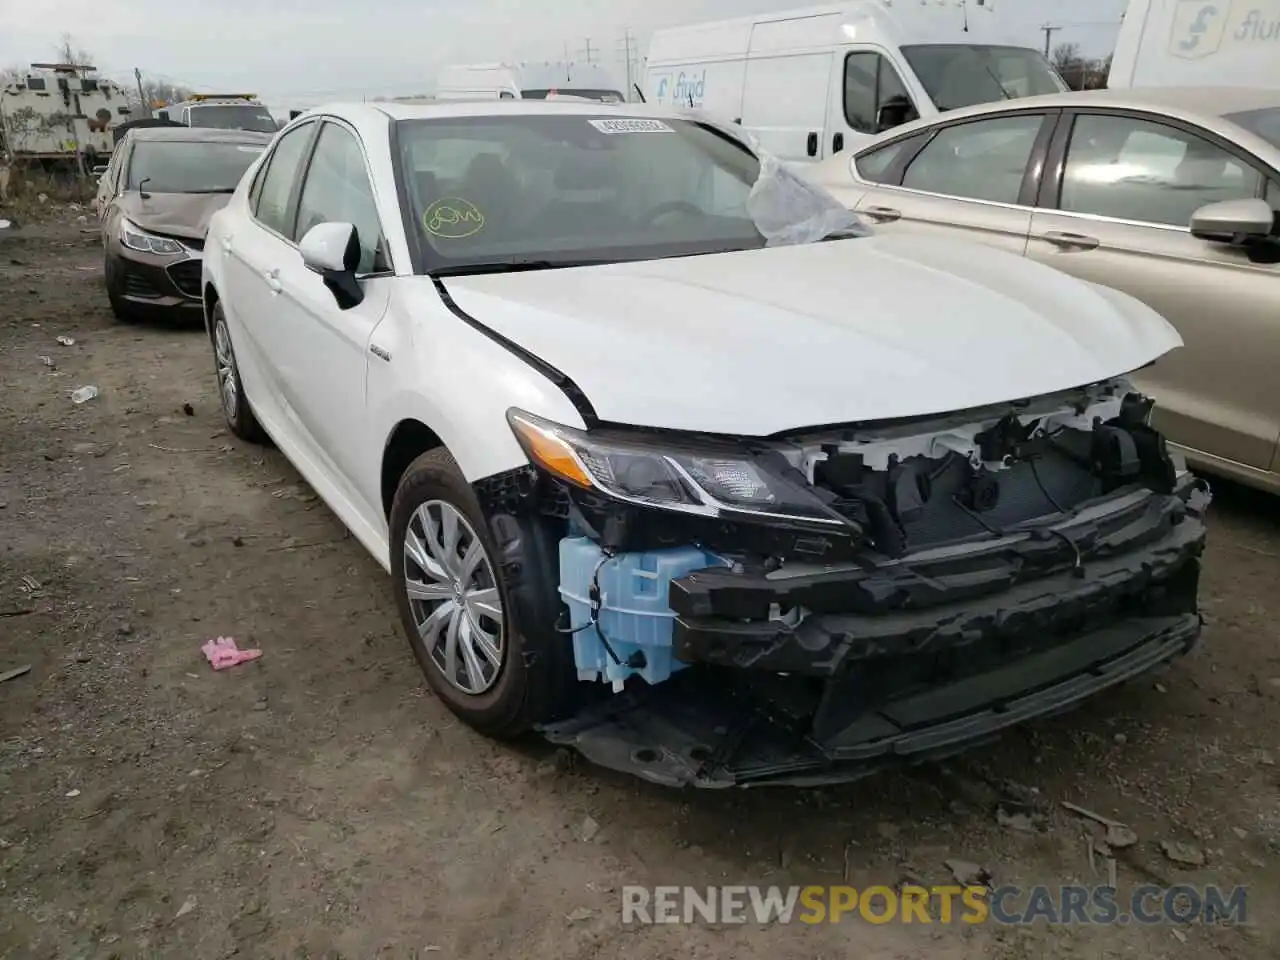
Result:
837,143
1070,241
812,145
226,244
273,280
883,214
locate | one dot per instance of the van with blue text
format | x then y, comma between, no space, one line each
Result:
810,83
1192,43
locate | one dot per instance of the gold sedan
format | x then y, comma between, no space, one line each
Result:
1167,194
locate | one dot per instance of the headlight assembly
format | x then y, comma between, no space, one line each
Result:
709,481
135,238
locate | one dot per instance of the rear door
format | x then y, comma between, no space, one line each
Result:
1116,205
973,179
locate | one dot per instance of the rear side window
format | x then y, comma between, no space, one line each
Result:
982,160
276,187
875,164
875,98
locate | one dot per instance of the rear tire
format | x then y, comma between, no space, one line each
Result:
487,605
235,405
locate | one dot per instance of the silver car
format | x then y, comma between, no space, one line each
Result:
1167,194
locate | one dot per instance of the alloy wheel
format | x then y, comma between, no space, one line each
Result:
228,381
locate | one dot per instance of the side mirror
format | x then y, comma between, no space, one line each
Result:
333,251
1236,222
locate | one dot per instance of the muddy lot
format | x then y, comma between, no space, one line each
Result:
320,803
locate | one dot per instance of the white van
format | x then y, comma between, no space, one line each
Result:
526,81
1189,43
810,83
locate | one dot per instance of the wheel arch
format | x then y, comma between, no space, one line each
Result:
408,440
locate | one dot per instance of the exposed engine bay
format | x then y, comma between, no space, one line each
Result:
809,608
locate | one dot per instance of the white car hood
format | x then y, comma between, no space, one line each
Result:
759,342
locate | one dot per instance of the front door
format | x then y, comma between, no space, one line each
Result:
1129,186
331,346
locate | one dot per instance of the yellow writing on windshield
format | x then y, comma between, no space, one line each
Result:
453,219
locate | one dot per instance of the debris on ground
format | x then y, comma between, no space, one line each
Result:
84,394
189,410
969,874
15,673
222,653
1091,815
48,362
188,905
577,916
589,830
72,794
66,341
1119,837
1185,853
1021,822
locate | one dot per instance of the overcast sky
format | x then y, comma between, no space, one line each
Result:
301,52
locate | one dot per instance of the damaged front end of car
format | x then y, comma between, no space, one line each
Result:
811,608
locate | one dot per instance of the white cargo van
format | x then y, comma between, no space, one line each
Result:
1189,43
526,81
813,82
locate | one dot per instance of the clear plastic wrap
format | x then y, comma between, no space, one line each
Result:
787,209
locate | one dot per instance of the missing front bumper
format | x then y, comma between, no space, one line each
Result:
693,731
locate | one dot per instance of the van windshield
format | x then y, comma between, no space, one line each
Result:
532,191
961,75
234,117
1263,123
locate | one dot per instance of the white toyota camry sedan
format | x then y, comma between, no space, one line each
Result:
674,461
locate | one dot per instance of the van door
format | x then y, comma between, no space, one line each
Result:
870,93
787,86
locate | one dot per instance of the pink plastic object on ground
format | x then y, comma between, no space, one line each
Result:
223,653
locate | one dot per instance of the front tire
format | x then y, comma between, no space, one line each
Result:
234,403
461,601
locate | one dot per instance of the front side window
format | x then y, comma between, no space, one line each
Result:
337,190
233,117
982,160
277,183
875,98
1134,169
960,74
188,166
549,189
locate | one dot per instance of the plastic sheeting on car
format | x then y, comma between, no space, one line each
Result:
787,209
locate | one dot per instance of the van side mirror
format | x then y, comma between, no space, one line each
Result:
333,251
1237,222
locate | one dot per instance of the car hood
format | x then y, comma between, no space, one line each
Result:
173,214
759,342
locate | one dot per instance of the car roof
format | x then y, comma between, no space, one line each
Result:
397,110
1182,102
199,135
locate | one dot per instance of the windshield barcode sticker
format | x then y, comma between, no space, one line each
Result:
631,126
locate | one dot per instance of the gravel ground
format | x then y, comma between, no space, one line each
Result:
320,803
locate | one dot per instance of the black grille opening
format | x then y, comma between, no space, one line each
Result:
136,286
186,277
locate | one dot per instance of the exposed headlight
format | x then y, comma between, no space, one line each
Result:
706,480
135,238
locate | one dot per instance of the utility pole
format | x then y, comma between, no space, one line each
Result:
142,97
1049,31
590,62
628,44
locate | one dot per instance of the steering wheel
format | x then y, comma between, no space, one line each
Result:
668,208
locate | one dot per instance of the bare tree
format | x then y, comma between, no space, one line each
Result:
70,52
1066,57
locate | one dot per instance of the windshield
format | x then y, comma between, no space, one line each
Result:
555,190
234,117
1263,123
960,75
185,166
604,96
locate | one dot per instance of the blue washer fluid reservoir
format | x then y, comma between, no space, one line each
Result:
634,614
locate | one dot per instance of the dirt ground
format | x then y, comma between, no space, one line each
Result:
320,803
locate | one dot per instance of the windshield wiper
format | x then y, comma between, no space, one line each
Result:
999,83
515,265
